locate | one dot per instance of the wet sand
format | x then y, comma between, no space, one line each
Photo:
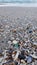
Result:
27,14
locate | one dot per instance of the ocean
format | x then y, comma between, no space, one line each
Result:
24,3
18,1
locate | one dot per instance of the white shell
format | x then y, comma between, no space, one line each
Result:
34,56
35,43
16,55
15,42
9,42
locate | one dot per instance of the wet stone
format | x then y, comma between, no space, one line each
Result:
30,31
21,56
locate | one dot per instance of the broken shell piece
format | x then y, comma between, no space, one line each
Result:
1,30
7,26
15,42
1,53
35,30
29,59
9,42
34,43
12,38
34,56
8,63
1,59
22,61
16,57
14,30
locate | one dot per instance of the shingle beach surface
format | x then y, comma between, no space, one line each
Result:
18,36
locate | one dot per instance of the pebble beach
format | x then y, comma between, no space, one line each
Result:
18,35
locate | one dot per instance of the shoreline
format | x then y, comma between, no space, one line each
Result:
24,14
18,5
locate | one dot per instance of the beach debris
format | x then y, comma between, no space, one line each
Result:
16,56
1,30
23,62
29,59
34,55
21,44
1,53
35,43
16,43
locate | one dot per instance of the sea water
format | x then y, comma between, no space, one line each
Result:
23,3
18,1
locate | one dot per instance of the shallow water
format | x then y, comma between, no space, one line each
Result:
18,1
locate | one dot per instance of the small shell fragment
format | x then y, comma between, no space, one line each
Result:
34,56
15,42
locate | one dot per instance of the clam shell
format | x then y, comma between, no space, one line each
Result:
34,56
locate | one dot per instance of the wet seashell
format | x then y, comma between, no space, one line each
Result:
9,42
1,59
35,62
22,61
35,43
16,57
17,39
12,38
1,53
14,30
29,59
7,26
34,56
1,30
15,42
